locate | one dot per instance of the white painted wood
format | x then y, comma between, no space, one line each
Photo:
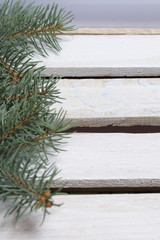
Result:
108,156
115,31
105,186
105,55
94,217
102,102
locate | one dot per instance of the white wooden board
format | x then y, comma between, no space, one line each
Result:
115,31
119,159
105,55
93,217
102,102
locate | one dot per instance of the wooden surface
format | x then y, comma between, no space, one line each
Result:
118,102
93,217
110,156
96,163
105,56
115,31
108,186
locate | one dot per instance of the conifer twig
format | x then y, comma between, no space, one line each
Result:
27,124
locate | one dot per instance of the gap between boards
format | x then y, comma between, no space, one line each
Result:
117,129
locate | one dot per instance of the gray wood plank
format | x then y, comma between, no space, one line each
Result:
97,186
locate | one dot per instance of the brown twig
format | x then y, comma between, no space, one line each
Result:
17,78
16,127
30,95
41,198
35,31
37,139
19,125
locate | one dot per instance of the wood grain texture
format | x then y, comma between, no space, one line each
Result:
108,186
105,55
118,158
94,217
115,31
117,102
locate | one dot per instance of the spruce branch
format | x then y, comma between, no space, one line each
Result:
29,122
34,25
28,189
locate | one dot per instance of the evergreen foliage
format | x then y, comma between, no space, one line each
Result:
27,123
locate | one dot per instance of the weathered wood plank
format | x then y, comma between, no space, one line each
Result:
108,183
89,55
118,102
123,121
93,217
108,186
117,159
115,31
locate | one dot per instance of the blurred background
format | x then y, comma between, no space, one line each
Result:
111,13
